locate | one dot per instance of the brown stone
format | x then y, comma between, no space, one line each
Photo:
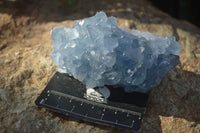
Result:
26,66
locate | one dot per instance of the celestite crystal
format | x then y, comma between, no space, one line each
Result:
98,53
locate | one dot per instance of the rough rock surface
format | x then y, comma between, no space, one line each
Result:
26,67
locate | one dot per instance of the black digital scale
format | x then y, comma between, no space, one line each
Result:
65,95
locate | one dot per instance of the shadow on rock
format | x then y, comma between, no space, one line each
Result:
177,97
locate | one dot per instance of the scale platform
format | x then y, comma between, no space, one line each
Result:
65,95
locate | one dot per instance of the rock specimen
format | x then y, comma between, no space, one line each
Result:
98,53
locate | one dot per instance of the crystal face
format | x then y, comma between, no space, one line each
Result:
98,53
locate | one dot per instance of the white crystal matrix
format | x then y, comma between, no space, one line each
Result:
98,53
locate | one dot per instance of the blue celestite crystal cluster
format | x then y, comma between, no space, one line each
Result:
98,53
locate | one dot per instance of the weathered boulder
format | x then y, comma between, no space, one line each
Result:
26,66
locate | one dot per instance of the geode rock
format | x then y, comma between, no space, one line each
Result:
98,53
